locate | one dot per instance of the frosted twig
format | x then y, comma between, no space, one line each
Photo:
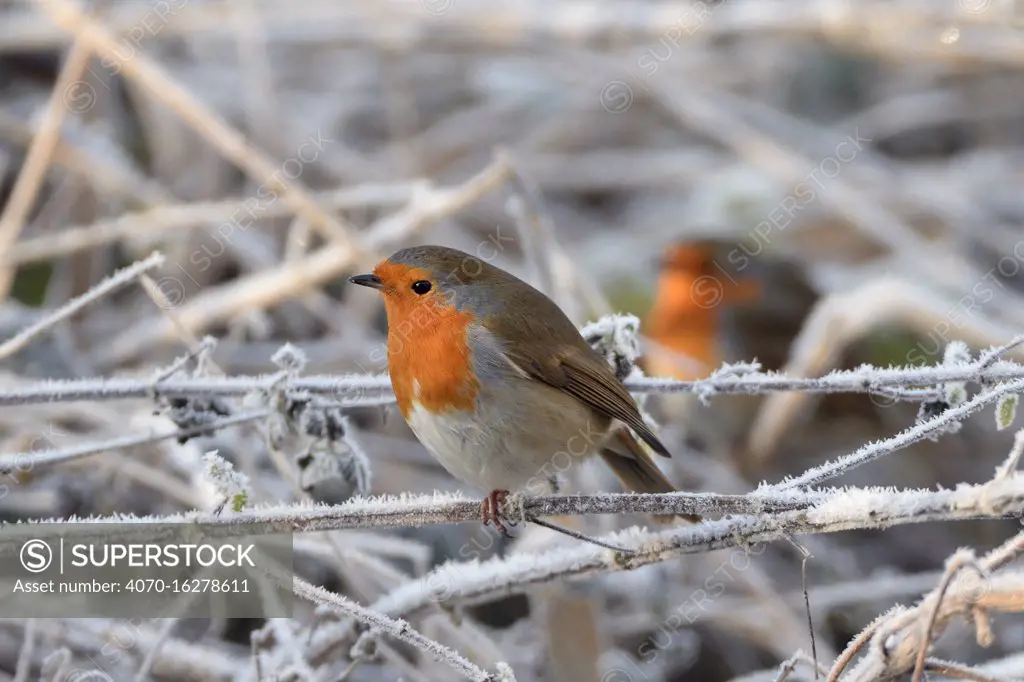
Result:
918,432
421,510
989,357
858,643
429,204
108,285
11,462
205,346
151,656
789,665
526,206
398,629
55,665
1009,466
860,380
846,510
958,562
177,217
117,389
865,379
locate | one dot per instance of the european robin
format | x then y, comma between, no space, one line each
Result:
716,302
685,317
496,381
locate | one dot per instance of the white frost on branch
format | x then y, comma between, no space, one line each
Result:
845,509
614,336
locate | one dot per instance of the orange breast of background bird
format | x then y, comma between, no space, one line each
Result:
429,357
680,325
685,315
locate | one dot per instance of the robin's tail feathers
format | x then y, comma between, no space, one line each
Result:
637,471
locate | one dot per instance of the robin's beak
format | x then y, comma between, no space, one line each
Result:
372,281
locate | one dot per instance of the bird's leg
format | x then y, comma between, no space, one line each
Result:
491,510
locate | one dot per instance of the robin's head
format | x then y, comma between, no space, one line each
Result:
433,277
692,258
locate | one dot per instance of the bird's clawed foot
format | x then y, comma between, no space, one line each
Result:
491,510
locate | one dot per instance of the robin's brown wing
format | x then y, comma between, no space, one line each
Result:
585,376
549,348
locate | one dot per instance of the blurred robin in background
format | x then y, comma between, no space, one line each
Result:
685,318
715,302
498,384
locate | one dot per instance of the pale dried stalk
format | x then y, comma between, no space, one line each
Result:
33,171
268,287
99,173
212,127
897,639
160,219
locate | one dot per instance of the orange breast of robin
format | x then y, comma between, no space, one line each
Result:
429,358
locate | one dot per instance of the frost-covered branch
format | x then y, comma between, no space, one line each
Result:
124,388
407,511
918,432
356,387
399,629
761,515
10,462
844,509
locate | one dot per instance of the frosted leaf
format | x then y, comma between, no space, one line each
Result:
955,392
1006,411
233,485
365,648
505,673
334,471
289,358
956,353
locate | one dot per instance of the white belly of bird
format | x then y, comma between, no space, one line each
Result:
508,444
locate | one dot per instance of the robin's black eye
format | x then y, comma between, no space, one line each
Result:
421,287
